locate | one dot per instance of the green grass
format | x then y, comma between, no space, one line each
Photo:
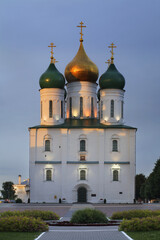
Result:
151,235
18,235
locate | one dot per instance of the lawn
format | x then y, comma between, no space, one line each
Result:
151,235
18,235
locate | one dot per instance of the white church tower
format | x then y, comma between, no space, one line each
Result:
82,151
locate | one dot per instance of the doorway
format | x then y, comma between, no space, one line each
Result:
82,194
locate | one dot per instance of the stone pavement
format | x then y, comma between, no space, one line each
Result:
83,233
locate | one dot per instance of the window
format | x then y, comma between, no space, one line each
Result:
48,175
50,109
101,111
115,175
92,108
82,145
61,109
112,108
114,146
47,145
121,109
81,106
82,175
70,107
41,109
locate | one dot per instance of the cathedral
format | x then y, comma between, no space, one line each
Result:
82,151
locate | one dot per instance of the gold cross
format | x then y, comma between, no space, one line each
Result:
54,60
112,53
109,62
81,39
52,46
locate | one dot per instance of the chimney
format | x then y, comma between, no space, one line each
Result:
19,179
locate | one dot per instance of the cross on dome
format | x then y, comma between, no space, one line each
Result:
81,23
112,53
52,46
109,62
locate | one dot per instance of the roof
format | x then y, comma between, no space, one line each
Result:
83,123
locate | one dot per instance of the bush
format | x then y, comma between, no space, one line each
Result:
140,224
135,214
44,215
22,224
18,200
88,216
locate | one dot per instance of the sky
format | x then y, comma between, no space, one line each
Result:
26,30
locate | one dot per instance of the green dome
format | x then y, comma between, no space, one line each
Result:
52,78
112,79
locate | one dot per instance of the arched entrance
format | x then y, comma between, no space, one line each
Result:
82,194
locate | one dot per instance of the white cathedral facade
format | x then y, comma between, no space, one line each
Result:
82,151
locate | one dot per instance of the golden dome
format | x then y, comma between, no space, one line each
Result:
81,68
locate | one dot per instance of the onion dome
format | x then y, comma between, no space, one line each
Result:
112,78
81,68
52,78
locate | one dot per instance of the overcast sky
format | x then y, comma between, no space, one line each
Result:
26,30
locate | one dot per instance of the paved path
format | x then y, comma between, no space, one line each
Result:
83,233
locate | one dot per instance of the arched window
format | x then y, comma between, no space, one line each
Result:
82,175
121,109
101,110
92,108
81,106
114,146
112,108
61,109
50,109
115,175
41,109
48,175
47,145
70,107
82,145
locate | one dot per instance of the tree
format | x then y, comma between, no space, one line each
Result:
8,191
152,184
140,180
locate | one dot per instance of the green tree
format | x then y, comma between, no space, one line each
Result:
8,191
140,180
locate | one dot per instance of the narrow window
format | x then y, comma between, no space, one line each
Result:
82,175
112,108
47,145
115,175
101,111
121,109
82,146
48,175
61,109
50,109
41,109
81,106
70,107
92,108
114,146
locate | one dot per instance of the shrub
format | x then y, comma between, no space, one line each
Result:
88,216
22,224
140,224
44,215
18,200
135,214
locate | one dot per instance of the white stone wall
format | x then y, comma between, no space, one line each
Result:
65,151
106,95
55,95
87,90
